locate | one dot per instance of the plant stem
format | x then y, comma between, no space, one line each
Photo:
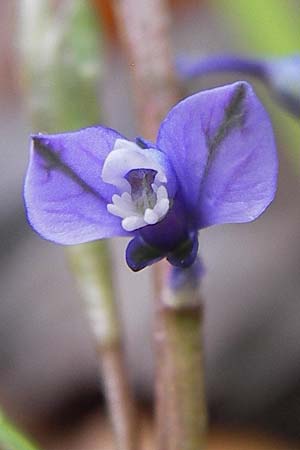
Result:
92,267
12,438
182,315
144,26
187,419
62,70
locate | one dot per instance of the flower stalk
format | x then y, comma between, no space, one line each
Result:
62,70
187,416
182,316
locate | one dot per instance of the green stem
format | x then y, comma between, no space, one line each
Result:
187,417
182,318
11,438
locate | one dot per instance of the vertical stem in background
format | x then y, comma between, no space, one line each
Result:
180,406
144,26
92,267
62,66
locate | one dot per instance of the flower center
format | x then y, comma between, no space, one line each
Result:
143,198
142,193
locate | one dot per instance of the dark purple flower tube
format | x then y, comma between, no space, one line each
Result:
214,162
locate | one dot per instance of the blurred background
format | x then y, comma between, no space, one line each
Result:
48,369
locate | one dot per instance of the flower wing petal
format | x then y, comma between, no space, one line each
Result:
234,165
64,194
181,137
240,180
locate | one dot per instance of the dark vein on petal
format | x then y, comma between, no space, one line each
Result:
54,161
233,116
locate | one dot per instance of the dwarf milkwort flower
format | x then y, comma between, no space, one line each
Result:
214,162
281,75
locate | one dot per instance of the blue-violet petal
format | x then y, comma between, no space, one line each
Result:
222,147
65,197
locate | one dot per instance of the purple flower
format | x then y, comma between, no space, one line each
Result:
214,162
280,75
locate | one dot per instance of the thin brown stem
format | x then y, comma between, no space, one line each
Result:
118,394
144,27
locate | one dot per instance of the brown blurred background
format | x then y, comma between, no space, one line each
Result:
48,370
